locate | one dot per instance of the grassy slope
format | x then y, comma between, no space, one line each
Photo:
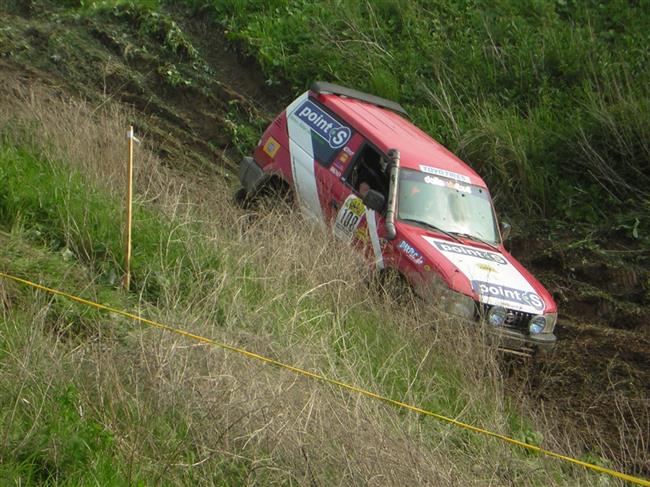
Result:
548,100
142,406
90,398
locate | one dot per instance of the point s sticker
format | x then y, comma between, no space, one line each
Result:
271,147
339,136
471,252
511,295
324,125
349,217
410,252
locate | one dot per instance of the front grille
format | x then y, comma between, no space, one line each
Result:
514,319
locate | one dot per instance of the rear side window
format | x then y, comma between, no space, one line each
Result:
327,133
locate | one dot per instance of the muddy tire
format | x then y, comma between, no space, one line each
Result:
273,195
241,198
395,287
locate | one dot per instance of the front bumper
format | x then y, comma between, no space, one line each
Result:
513,339
514,333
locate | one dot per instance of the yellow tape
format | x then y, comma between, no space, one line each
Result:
312,375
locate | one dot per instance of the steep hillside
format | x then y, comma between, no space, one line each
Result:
200,84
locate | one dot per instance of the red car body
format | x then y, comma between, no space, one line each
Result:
332,143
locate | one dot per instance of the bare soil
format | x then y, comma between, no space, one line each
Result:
597,380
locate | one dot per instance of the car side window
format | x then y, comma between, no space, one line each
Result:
368,171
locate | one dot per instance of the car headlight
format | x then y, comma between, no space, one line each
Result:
451,302
542,323
459,304
497,316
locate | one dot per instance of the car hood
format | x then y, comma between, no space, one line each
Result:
492,275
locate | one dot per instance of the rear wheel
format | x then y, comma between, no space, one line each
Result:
241,198
274,193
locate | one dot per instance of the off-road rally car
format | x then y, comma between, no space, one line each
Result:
354,162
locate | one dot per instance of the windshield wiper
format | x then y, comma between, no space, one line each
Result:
432,227
474,237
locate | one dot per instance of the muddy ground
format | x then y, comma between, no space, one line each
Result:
597,379
191,108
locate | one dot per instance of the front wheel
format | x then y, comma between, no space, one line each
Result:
394,285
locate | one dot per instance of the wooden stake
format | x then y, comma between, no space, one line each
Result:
129,199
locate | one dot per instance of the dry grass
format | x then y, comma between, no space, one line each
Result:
181,412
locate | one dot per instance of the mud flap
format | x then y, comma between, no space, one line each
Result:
250,174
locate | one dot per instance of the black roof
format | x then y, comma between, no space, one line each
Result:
324,87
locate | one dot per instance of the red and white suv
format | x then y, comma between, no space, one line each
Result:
353,161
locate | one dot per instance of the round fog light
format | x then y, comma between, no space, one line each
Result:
497,316
537,324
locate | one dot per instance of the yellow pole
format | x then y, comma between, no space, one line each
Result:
129,199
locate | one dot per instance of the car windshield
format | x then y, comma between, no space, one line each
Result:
447,204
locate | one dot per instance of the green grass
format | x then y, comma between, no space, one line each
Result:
124,403
547,100
49,209
58,209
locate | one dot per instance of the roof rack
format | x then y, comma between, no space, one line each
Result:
324,87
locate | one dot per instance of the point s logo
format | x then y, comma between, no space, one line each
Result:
323,124
471,252
509,294
338,137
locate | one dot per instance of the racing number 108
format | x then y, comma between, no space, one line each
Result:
349,220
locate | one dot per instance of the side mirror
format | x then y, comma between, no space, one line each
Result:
374,200
505,230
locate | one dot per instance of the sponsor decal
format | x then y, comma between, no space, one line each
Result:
348,151
486,267
443,172
323,124
349,217
447,184
362,234
410,252
335,171
493,277
470,251
271,147
344,158
301,151
511,295
427,267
